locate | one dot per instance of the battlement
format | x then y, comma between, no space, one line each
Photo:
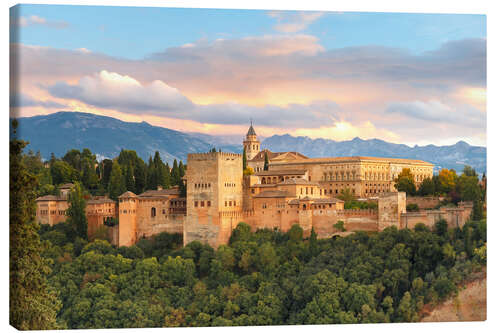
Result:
358,212
238,213
212,156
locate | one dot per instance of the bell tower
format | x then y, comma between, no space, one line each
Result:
251,143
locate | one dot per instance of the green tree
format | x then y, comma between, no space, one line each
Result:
32,305
62,172
427,187
405,182
244,158
129,178
266,162
77,218
116,185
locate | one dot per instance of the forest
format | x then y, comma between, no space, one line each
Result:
112,177
262,278
60,279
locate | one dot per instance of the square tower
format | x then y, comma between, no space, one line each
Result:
214,196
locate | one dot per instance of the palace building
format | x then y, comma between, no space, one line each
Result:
295,189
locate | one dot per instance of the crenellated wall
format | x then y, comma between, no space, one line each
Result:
456,217
424,202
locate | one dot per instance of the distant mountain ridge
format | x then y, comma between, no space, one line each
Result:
106,136
450,157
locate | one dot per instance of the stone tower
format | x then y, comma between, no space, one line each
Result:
214,197
251,143
390,207
127,217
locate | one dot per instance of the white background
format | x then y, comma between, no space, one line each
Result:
416,6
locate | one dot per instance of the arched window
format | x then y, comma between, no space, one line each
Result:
153,212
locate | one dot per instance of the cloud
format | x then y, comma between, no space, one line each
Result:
294,22
124,93
290,80
34,20
436,111
23,100
112,90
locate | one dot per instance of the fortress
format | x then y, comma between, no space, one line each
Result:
292,189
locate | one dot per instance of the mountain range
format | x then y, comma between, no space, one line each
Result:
106,136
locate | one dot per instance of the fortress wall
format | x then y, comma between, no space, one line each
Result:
456,217
113,233
390,208
148,225
355,219
424,202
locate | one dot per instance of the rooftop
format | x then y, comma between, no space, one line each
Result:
356,159
261,156
297,181
273,194
51,198
251,131
128,194
280,172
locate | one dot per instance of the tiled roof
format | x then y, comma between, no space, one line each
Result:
51,198
160,193
280,172
327,200
261,156
251,131
99,201
128,194
273,194
356,159
297,181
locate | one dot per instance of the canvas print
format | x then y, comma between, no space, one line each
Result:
175,167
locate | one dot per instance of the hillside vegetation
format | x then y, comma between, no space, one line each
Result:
262,278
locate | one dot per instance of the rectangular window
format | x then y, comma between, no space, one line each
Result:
196,203
230,203
202,203
208,203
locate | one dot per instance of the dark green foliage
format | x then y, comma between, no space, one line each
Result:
117,184
405,182
244,158
33,305
266,162
412,207
263,278
427,187
77,218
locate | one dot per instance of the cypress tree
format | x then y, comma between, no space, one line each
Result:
176,178
129,178
266,162
140,175
32,305
76,211
116,182
244,158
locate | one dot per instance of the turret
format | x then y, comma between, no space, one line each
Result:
251,143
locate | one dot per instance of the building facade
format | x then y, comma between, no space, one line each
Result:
294,190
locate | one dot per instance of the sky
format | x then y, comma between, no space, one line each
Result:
404,78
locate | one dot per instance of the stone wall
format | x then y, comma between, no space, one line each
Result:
214,185
424,202
456,217
390,208
113,233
